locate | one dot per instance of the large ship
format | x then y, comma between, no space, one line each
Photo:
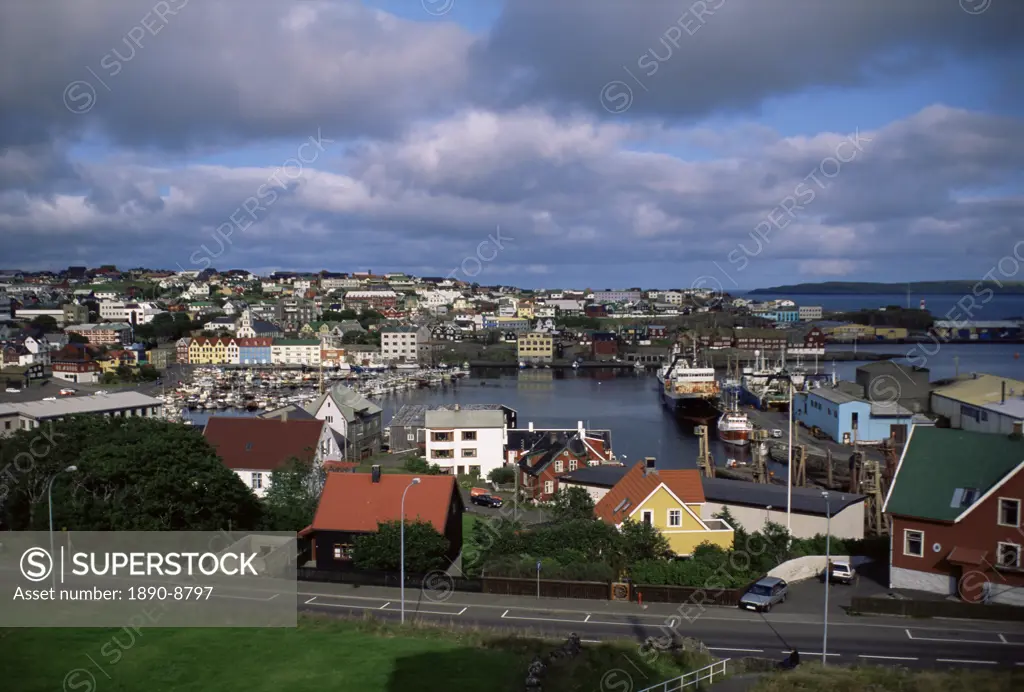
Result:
689,390
764,387
734,427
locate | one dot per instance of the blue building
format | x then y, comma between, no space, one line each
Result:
783,315
254,351
838,413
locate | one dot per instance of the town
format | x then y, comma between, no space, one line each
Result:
292,371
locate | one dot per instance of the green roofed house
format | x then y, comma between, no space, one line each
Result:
955,504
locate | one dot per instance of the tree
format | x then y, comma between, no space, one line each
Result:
641,541
574,503
291,501
339,316
134,474
425,548
44,322
417,464
503,475
353,337
74,338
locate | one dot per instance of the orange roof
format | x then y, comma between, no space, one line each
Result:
352,502
636,486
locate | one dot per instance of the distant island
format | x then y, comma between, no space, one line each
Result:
915,287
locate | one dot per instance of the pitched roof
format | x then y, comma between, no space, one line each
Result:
981,389
939,462
636,486
353,502
464,419
262,444
350,402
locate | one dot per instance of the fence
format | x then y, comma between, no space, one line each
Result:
692,678
935,609
549,588
689,594
391,579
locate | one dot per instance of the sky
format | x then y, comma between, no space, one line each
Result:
729,144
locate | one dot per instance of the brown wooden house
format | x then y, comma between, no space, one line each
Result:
542,456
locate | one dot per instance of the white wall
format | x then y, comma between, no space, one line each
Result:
811,566
902,578
489,445
595,493
330,413
247,478
846,524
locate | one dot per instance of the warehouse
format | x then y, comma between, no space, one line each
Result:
980,403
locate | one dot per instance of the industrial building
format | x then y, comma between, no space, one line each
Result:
980,403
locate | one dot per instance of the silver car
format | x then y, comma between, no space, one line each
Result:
765,594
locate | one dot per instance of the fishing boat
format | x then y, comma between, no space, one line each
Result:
690,391
734,427
763,387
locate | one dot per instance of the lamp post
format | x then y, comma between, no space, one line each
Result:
401,531
828,572
49,500
789,466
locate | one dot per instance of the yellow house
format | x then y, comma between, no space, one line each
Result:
535,347
209,351
891,333
670,501
525,311
849,332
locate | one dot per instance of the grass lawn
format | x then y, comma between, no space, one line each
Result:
814,678
321,654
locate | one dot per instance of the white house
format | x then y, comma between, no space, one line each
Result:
355,419
462,442
295,352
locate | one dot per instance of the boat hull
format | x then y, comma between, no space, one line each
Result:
738,438
692,409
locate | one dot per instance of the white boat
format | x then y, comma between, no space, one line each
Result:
522,365
734,427
639,366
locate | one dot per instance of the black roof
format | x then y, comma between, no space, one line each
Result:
542,446
732,492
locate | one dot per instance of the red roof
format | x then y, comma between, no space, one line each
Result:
352,502
636,486
262,444
254,341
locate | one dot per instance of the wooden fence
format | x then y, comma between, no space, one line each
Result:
549,588
432,581
935,609
688,594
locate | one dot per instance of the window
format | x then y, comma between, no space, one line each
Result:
549,487
469,435
1008,555
648,517
342,551
573,464
913,543
469,452
1009,511
853,420
675,517
441,453
558,466
257,481
410,436
442,436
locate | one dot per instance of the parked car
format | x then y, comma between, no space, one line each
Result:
764,594
13,390
486,500
49,398
841,573
67,391
776,433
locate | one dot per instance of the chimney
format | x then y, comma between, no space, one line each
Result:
650,462
579,427
531,426
1018,430
375,473
457,408
1002,398
553,436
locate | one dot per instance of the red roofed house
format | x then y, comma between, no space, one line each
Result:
352,504
255,447
669,500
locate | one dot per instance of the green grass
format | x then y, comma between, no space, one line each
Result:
321,654
814,678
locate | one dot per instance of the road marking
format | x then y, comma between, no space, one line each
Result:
462,611
598,641
809,653
890,658
1004,639
385,605
725,648
577,622
588,618
963,660
359,607
505,613
964,641
311,600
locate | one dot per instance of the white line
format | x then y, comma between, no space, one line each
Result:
1004,639
810,653
462,611
577,622
384,606
967,641
909,635
505,613
725,648
273,597
890,658
311,600
414,612
963,660
240,598
598,641
588,618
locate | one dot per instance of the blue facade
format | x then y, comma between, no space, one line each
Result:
253,355
836,419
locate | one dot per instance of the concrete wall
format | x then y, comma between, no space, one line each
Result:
846,524
810,566
903,578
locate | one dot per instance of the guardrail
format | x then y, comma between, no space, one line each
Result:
692,678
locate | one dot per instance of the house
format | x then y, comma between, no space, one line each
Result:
752,505
809,312
543,456
256,447
401,344
28,415
182,347
249,327
255,350
908,385
407,429
466,441
979,402
604,346
295,352
356,419
210,350
161,358
955,504
103,334
849,418
535,347
671,501
75,313
353,504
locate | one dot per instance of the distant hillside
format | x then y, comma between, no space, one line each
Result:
868,288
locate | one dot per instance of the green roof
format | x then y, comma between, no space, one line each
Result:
940,461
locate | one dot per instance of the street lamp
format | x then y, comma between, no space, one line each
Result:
828,571
49,499
401,531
